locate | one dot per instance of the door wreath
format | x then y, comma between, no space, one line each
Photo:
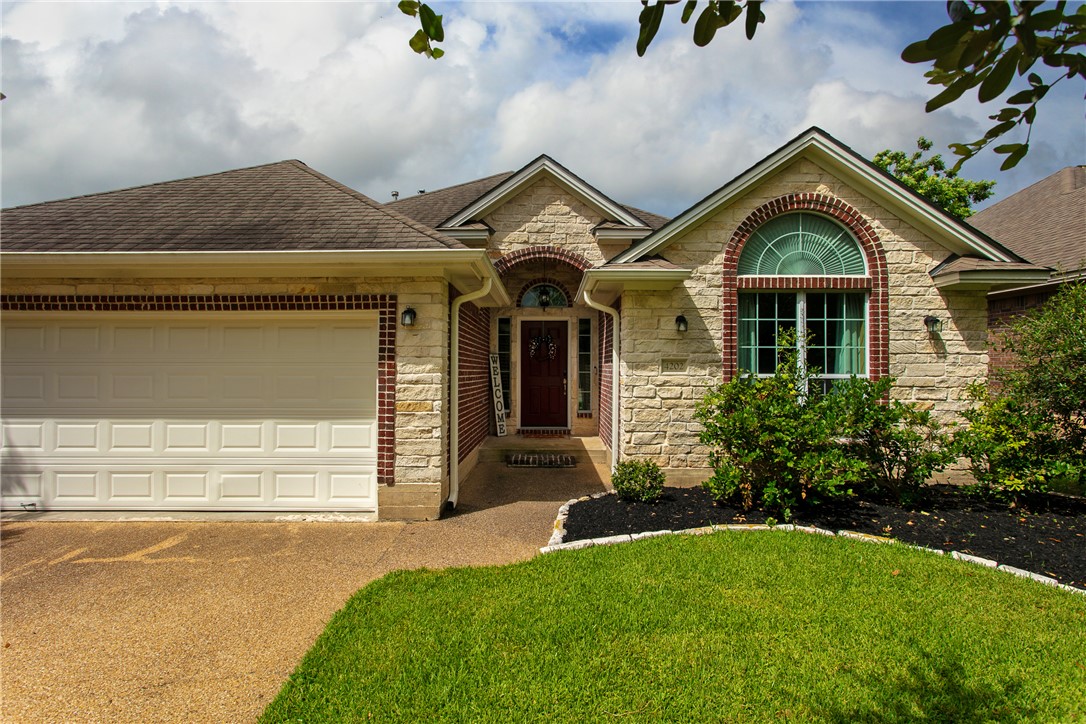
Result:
542,342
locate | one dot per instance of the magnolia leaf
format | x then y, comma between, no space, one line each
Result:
688,10
951,94
408,7
650,18
919,52
705,27
948,36
1000,77
754,17
1015,157
419,42
431,23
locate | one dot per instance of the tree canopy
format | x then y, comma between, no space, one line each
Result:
930,178
987,43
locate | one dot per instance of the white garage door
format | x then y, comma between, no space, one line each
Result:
190,412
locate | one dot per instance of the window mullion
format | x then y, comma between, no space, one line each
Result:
801,333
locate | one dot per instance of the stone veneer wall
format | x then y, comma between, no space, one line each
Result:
417,483
545,214
658,406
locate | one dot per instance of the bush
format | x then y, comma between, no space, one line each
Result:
900,445
773,440
638,480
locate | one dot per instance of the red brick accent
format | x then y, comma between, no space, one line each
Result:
474,378
1002,312
605,340
878,335
532,253
545,280
383,304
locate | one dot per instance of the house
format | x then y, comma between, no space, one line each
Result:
1045,223
269,339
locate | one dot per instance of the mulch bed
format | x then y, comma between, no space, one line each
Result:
1047,535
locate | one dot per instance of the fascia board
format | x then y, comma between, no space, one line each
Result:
632,234
619,280
526,176
467,234
989,279
827,153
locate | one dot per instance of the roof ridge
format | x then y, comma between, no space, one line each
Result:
292,162
454,186
359,196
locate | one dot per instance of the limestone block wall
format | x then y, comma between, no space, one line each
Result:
545,214
665,372
415,483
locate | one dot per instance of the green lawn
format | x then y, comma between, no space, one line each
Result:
724,627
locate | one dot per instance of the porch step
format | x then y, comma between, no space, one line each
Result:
540,460
586,450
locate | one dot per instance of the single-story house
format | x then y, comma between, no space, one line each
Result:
270,339
1046,224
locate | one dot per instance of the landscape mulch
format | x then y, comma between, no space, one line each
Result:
1046,534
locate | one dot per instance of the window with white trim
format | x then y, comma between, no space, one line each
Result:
803,245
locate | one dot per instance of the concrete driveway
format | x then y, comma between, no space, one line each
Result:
203,621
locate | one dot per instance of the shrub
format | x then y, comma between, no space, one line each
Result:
773,441
900,445
638,480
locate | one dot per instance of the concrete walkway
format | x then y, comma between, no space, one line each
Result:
203,621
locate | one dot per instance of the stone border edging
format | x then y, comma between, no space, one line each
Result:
556,542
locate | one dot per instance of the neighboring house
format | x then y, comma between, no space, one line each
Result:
1045,223
269,339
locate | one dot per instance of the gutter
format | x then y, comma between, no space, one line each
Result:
614,371
454,386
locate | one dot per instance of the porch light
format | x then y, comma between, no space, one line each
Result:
407,317
681,324
934,325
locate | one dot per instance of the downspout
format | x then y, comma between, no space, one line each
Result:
614,371
454,402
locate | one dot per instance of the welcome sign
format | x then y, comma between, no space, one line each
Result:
499,400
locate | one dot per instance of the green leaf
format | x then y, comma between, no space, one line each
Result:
948,36
419,42
431,23
951,94
1007,114
688,10
408,7
650,18
1000,76
436,53
754,16
705,27
1035,80
1015,157
919,52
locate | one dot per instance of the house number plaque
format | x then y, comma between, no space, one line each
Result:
673,366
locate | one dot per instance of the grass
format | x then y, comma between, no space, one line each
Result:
725,627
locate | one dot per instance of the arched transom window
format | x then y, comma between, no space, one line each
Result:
544,295
803,245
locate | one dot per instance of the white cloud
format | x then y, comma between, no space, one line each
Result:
109,94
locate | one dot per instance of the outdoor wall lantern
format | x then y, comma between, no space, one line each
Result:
407,317
681,324
934,325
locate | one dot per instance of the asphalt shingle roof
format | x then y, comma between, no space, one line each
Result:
1044,223
276,207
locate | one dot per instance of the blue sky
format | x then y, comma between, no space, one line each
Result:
105,95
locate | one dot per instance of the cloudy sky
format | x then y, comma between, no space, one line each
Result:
104,95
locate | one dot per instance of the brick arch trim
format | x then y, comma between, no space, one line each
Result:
532,253
545,280
876,281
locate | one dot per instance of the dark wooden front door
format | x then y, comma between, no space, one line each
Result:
543,374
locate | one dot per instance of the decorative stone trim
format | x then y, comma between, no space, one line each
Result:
877,280
558,536
514,258
383,304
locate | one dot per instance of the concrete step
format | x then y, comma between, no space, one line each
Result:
582,450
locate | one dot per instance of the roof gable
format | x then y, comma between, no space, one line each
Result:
821,148
284,206
544,167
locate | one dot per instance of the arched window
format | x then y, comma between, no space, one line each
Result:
544,296
803,245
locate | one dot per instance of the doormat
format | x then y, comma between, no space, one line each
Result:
543,431
540,460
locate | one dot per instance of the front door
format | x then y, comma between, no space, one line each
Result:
543,374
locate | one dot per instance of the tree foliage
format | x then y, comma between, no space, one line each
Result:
1029,430
987,43
930,178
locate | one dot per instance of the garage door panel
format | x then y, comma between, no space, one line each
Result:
207,414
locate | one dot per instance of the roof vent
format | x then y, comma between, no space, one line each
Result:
395,195
422,191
